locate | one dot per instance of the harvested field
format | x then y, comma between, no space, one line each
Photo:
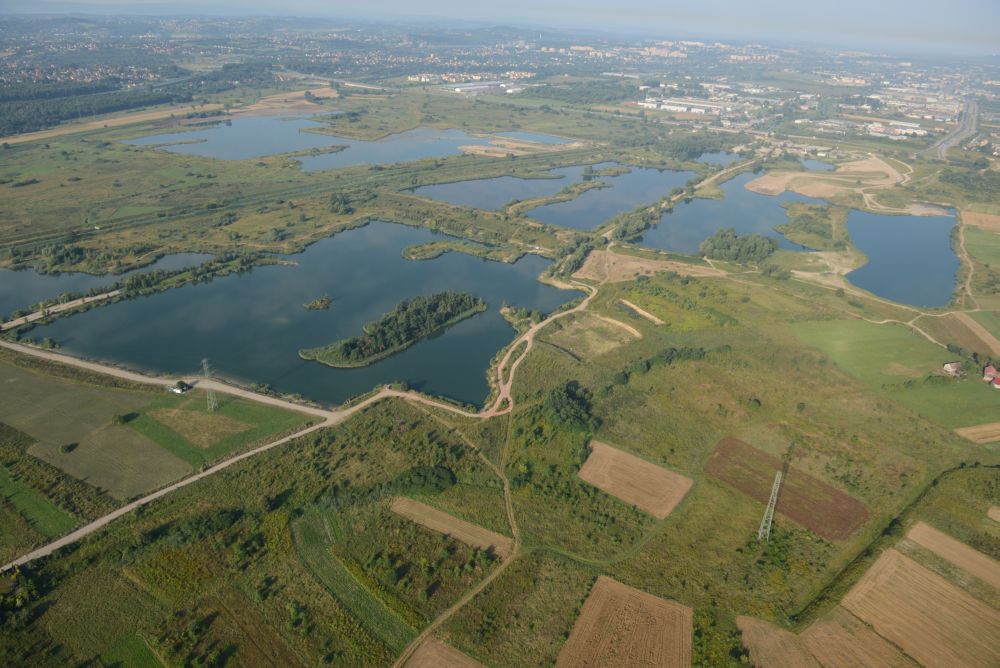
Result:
645,485
435,654
605,266
589,334
983,433
449,525
771,646
840,639
991,342
986,221
958,553
201,429
622,626
642,312
288,102
810,502
929,618
994,513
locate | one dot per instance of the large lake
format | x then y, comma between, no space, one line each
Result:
26,287
910,258
258,136
690,223
251,326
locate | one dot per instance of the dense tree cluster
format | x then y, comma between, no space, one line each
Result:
982,185
725,244
568,405
411,320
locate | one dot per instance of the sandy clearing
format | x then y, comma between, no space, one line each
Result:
958,553
607,266
994,513
986,221
643,312
111,122
929,618
982,433
435,654
618,323
872,171
773,647
622,626
287,102
449,525
589,335
981,332
840,639
645,485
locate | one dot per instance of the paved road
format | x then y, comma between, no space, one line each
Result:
967,125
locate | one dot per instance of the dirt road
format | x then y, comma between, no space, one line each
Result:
57,308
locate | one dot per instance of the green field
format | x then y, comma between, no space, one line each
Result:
988,319
897,361
44,516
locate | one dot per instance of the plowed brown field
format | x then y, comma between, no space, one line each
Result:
449,525
926,616
622,626
645,485
434,654
819,507
971,561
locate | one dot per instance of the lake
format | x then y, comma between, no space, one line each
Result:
258,136
690,223
910,259
494,193
641,185
26,287
251,326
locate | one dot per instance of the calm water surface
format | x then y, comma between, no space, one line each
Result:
20,289
690,223
258,136
910,259
251,326
496,192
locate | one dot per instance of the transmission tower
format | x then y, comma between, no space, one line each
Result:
206,372
764,532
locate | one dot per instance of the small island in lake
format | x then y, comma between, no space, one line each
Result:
321,304
411,320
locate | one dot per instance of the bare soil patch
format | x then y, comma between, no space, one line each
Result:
770,645
287,102
449,525
805,499
645,485
622,626
872,172
932,620
994,513
590,335
983,433
606,266
642,312
987,221
434,654
970,560
112,122
197,428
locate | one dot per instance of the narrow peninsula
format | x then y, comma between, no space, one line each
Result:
410,321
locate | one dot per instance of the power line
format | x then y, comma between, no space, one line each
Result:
213,401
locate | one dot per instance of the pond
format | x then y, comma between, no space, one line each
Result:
690,223
910,258
641,185
723,158
26,287
252,325
258,136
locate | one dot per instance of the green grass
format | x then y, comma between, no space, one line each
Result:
46,517
989,320
314,548
983,246
131,651
896,361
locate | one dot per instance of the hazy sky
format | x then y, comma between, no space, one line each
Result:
932,25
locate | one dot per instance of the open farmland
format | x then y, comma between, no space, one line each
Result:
824,510
622,626
435,654
649,487
931,619
958,553
982,433
446,524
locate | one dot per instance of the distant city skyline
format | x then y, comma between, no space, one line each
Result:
968,26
